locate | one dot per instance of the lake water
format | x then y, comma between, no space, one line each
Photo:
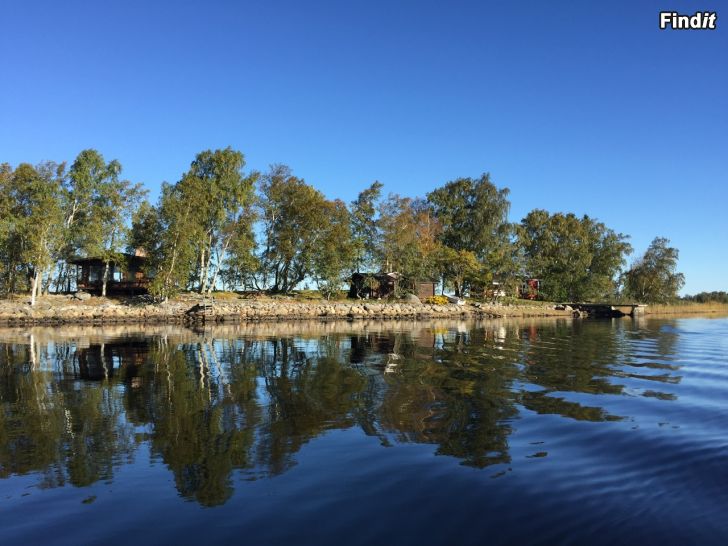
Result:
526,432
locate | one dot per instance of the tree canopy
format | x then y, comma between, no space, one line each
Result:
221,226
653,277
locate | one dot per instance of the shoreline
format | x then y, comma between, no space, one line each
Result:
59,310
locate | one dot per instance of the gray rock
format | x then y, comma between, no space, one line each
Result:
411,298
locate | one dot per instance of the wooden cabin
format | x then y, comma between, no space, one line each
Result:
126,276
529,289
383,285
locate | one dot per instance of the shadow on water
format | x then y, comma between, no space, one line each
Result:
77,403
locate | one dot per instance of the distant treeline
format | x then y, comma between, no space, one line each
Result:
708,297
219,226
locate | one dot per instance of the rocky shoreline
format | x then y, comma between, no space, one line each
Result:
58,310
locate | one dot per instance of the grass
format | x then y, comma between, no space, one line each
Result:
687,307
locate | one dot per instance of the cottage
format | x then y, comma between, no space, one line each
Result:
126,276
529,289
384,285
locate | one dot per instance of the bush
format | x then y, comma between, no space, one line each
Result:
437,300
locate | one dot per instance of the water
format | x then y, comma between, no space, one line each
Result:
535,432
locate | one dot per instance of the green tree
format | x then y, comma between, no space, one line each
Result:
364,226
34,194
293,227
460,269
410,234
223,200
98,208
653,277
336,253
473,214
172,251
575,258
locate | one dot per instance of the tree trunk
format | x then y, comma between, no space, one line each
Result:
203,273
34,286
105,279
217,265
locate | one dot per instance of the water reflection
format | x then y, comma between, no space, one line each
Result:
78,403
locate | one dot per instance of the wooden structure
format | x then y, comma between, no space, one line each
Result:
125,276
610,310
529,289
383,285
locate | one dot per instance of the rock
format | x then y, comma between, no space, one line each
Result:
82,296
411,298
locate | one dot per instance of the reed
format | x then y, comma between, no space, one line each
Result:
687,307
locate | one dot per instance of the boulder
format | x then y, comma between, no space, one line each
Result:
411,298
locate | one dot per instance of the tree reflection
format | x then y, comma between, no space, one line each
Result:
64,430
212,407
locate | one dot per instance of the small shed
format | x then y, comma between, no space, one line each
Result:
126,276
383,285
529,289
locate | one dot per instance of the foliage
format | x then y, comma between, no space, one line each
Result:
652,278
576,259
708,297
365,227
473,214
437,300
29,245
305,235
218,227
336,253
461,269
409,238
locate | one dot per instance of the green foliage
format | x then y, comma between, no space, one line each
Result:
409,238
204,226
461,269
336,252
100,208
365,228
473,214
202,234
576,259
305,235
652,278
708,297
31,226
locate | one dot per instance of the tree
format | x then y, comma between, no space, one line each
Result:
652,278
223,200
364,226
473,214
34,194
336,253
168,233
293,229
575,258
460,269
410,234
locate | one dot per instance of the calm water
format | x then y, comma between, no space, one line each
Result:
337,433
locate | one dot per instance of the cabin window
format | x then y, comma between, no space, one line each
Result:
95,273
117,276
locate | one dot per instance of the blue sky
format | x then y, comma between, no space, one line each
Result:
575,106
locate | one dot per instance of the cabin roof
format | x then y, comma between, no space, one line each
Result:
95,260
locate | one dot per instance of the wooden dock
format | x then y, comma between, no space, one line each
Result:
609,310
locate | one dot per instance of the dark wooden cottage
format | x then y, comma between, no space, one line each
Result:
126,276
383,285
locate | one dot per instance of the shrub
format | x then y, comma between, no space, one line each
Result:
437,300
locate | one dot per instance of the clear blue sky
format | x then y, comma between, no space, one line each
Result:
575,106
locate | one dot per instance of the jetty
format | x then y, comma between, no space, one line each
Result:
609,310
